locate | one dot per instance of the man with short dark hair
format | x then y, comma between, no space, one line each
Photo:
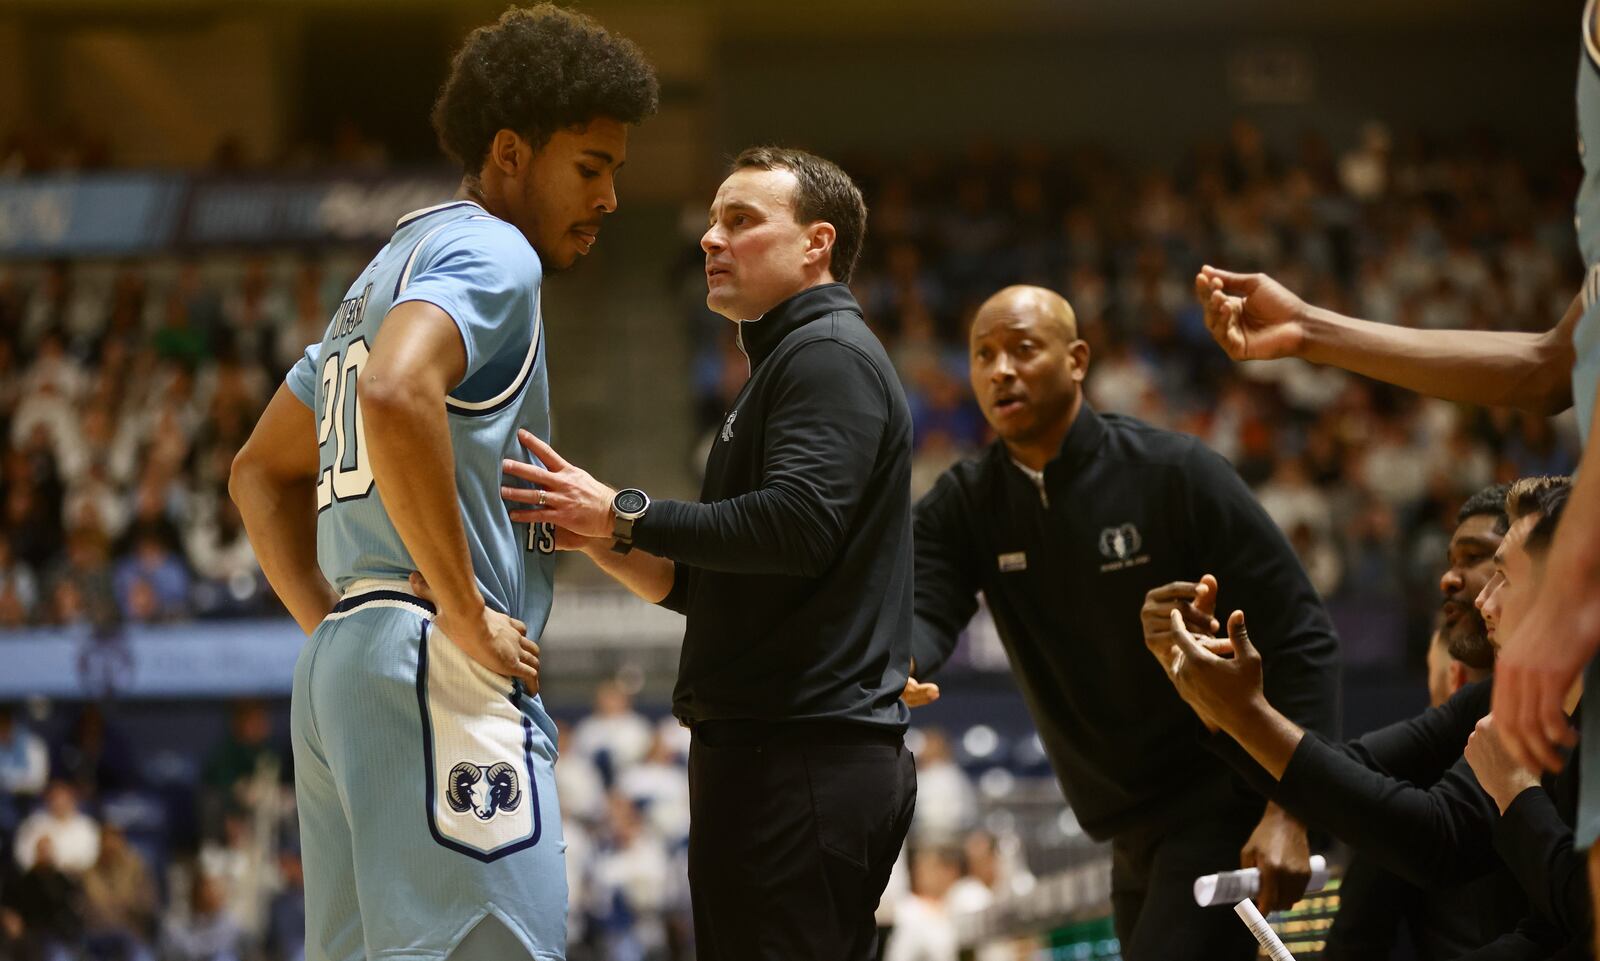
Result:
794,570
1442,921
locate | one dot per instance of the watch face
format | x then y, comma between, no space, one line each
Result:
630,502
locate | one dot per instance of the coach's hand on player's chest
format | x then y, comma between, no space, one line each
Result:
563,494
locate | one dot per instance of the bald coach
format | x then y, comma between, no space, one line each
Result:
1083,530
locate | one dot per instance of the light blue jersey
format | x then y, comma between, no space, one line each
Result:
429,822
1586,338
1586,372
481,271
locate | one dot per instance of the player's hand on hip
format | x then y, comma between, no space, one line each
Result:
1279,850
563,495
1195,600
1251,316
919,693
497,641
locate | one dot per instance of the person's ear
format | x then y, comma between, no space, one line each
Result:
509,154
820,238
1078,352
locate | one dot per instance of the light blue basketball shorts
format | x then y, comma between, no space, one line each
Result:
426,790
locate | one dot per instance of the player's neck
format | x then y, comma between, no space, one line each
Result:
472,189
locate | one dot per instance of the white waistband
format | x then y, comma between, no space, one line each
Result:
379,592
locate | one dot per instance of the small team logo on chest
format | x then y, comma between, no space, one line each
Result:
727,427
1120,546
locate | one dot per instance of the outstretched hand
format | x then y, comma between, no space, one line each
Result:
1251,316
1218,688
565,495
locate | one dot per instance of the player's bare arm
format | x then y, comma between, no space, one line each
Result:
1253,317
586,503
1542,657
274,483
417,360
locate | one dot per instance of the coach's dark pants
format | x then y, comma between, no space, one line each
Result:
1152,889
793,831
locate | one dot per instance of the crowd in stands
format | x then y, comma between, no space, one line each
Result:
111,855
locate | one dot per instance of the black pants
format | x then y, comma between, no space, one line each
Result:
1152,889
793,831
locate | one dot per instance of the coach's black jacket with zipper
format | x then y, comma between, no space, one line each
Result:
795,569
1124,507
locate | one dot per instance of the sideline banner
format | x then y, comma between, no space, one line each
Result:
127,214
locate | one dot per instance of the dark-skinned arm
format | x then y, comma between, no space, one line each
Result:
274,483
1253,317
418,358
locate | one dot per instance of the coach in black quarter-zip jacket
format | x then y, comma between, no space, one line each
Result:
1065,524
794,570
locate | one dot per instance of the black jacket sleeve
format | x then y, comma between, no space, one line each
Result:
1533,940
823,429
1257,572
1442,835
1537,845
947,576
1420,749
1417,750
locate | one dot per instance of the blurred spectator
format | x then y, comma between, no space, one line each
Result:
947,803
240,864
628,886
96,757
24,758
151,583
42,909
80,587
614,737
578,782
923,925
286,916
659,787
119,896
74,837
246,750
206,932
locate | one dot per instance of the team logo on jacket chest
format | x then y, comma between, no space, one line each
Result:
1120,547
727,426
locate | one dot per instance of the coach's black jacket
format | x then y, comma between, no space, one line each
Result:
795,568
1125,508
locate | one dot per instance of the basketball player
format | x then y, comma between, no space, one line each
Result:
423,756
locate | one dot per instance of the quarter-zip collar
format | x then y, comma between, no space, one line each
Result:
1083,439
760,337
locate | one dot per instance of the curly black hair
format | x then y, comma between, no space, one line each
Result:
537,70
